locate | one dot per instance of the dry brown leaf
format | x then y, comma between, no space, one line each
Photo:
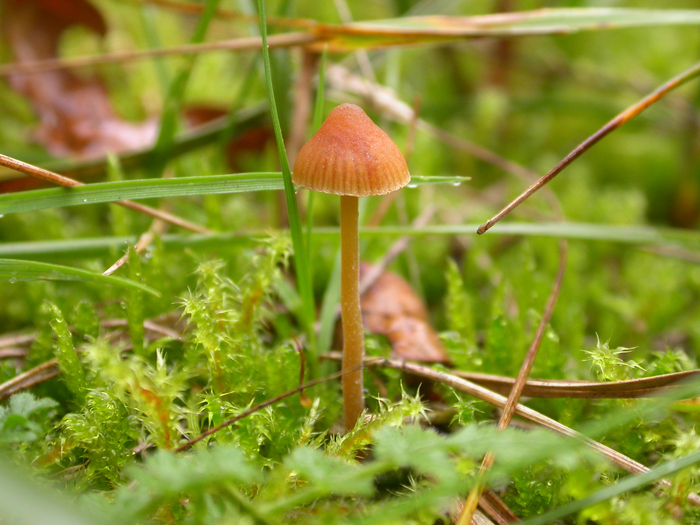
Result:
76,115
390,307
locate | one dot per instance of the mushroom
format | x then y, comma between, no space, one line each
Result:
352,157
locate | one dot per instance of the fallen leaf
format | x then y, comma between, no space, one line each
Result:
76,117
390,307
75,113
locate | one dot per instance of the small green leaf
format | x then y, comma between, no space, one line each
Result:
16,420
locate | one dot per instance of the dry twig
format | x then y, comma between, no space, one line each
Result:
625,463
611,126
514,396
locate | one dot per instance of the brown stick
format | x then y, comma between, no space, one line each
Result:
612,125
509,408
625,463
239,44
158,227
254,409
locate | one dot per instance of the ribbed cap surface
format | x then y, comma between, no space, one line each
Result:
350,155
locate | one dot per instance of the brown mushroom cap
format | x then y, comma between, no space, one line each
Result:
350,155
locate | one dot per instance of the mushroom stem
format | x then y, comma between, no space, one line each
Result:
353,337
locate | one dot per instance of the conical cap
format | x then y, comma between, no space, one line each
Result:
350,155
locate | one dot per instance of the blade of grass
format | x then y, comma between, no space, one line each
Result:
329,304
562,230
138,189
150,29
635,235
628,484
611,126
302,265
14,270
155,188
67,182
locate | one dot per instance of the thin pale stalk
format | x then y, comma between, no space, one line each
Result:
353,337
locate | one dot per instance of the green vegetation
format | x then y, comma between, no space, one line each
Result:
168,392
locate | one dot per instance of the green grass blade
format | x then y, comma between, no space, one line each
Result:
158,188
104,246
138,189
634,235
559,230
14,270
302,265
626,485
